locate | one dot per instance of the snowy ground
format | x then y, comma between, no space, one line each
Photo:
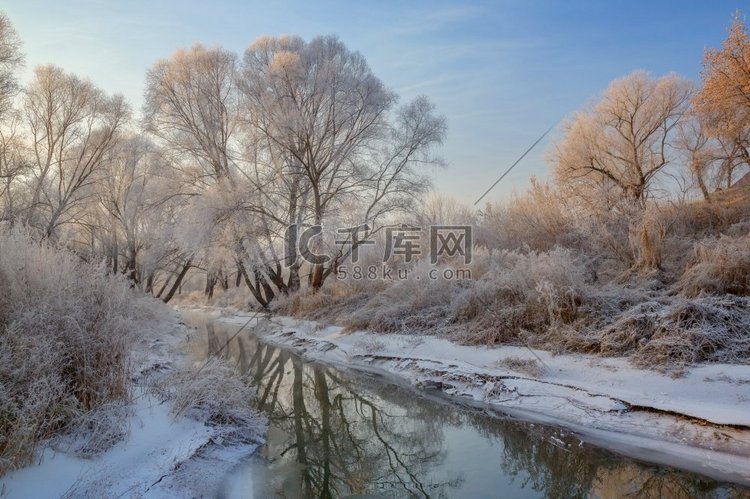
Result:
699,422
159,456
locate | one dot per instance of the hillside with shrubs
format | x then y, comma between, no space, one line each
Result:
576,289
637,245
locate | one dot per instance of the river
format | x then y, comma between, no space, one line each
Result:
337,432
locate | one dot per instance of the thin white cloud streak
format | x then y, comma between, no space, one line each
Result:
435,20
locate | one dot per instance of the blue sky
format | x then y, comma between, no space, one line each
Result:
502,72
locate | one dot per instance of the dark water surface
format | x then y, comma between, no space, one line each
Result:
339,433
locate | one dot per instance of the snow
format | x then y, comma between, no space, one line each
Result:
156,444
162,456
700,422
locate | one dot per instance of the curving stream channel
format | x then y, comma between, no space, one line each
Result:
341,433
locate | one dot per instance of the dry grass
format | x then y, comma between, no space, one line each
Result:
334,299
65,333
720,266
690,223
699,219
626,284
216,395
668,335
529,367
703,330
407,306
96,431
522,293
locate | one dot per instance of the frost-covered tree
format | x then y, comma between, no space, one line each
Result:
723,101
192,109
72,126
437,209
10,60
131,195
191,104
329,124
14,163
623,141
610,158
705,157
302,133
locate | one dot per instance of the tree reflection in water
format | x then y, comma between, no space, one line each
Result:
563,469
334,434
333,440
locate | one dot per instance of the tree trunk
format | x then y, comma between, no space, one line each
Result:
132,271
253,287
293,282
115,262
164,286
698,172
291,259
224,280
704,189
316,277
274,273
178,282
267,290
210,284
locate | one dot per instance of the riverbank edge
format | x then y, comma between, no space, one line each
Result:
161,454
577,392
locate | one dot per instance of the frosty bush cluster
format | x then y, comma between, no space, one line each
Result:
66,328
581,290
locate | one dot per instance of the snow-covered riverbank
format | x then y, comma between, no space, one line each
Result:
699,422
159,454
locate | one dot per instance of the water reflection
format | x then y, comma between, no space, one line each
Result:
339,434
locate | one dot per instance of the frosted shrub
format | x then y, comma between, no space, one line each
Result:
335,298
708,329
720,266
608,235
538,218
701,219
626,332
687,222
64,339
529,367
668,333
531,292
97,430
217,396
420,303
371,345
